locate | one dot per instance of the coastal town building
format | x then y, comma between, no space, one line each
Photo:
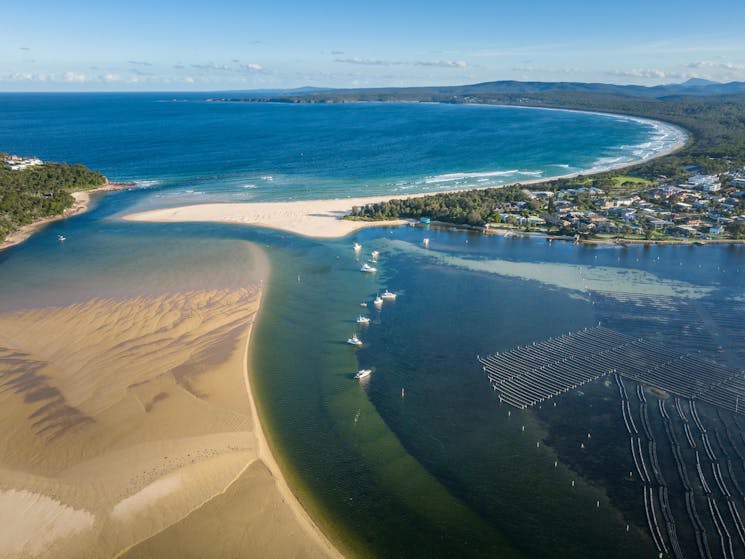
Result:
700,207
16,163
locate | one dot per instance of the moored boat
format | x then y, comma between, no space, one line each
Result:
388,296
357,247
367,268
363,373
363,319
354,340
378,302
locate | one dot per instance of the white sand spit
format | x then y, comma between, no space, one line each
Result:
312,218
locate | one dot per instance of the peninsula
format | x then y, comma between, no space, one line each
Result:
34,192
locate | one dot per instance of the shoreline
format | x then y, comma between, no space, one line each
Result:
323,218
193,446
257,214
81,204
264,454
600,241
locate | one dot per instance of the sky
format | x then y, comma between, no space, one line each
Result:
222,45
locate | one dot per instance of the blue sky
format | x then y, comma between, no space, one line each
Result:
226,45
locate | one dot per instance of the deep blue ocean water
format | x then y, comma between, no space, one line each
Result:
444,471
189,150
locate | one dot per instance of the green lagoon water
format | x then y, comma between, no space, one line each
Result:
445,470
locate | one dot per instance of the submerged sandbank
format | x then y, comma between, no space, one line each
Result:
131,417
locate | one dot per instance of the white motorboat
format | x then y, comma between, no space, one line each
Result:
61,238
363,304
363,373
368,269
374,255
378,302
388,296
425,241
363,319
354,340
357,247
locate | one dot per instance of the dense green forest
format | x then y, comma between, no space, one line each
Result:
470,207
40,191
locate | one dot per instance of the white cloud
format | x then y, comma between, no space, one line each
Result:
212,66
366,62
254,67
534,70
442,63
75,77
708,64
110,78
649,73
431,63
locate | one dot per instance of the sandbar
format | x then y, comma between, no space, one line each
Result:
133,418
311,218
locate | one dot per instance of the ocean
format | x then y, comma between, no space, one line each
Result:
186,150
423,460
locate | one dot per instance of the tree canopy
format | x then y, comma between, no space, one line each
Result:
40,191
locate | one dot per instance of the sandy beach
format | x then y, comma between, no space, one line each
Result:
135,434
312,218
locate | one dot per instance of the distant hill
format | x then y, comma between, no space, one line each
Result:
691,87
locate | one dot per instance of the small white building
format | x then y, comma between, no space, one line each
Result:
705,183
16,163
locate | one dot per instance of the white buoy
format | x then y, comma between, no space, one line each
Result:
523,428
556,463
572,483
597,504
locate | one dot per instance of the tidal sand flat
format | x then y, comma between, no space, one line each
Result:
131,417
